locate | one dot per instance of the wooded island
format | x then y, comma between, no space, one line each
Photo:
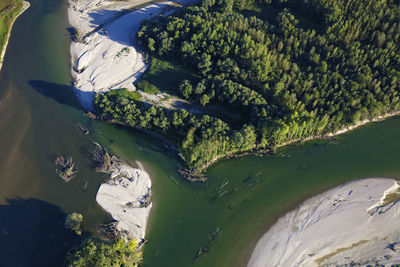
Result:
259,73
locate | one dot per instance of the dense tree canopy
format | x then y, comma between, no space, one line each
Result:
100,253
290,68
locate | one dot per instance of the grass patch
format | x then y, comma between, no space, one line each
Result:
9,9
147,87
266,12
125,93
392,198
340,250
164,76
308,19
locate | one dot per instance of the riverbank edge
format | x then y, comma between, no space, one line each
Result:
25,6
258,151
198,174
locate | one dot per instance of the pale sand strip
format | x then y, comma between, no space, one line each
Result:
350,223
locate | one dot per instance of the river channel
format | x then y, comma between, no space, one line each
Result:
223,218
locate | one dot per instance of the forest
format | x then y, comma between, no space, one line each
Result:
285,69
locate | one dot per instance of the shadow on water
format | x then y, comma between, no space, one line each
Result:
58,92
32,233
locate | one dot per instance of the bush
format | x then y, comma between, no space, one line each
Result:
94,252
73,222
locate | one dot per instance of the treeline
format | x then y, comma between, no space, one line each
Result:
94,252
287,79
199,138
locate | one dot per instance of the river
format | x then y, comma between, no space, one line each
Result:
38,116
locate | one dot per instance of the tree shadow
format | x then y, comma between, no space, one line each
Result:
122,26
72,32
63,94
32,233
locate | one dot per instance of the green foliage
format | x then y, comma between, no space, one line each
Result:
123,52
190,132
163,75
147,87
204,100
73,222
290,69
9,10
125,93
94,252
185,88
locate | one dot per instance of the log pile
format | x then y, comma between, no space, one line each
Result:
192,176
103,158
65,168
109,231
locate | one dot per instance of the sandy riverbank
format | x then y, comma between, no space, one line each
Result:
25,6
353,223
126,197
104,55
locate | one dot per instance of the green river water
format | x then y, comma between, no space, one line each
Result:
242,198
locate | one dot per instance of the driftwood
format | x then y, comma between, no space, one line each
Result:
65,168
142,243
82,128
102,158
109,231
85,186
192,176
90,115
146,199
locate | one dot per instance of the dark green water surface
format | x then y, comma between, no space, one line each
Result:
38,116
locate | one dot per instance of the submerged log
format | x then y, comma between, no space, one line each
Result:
192,176
90,115
212,237
85,186
82,128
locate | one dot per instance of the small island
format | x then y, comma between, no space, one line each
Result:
127,197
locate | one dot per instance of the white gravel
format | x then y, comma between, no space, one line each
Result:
107,58
121,197
347,224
